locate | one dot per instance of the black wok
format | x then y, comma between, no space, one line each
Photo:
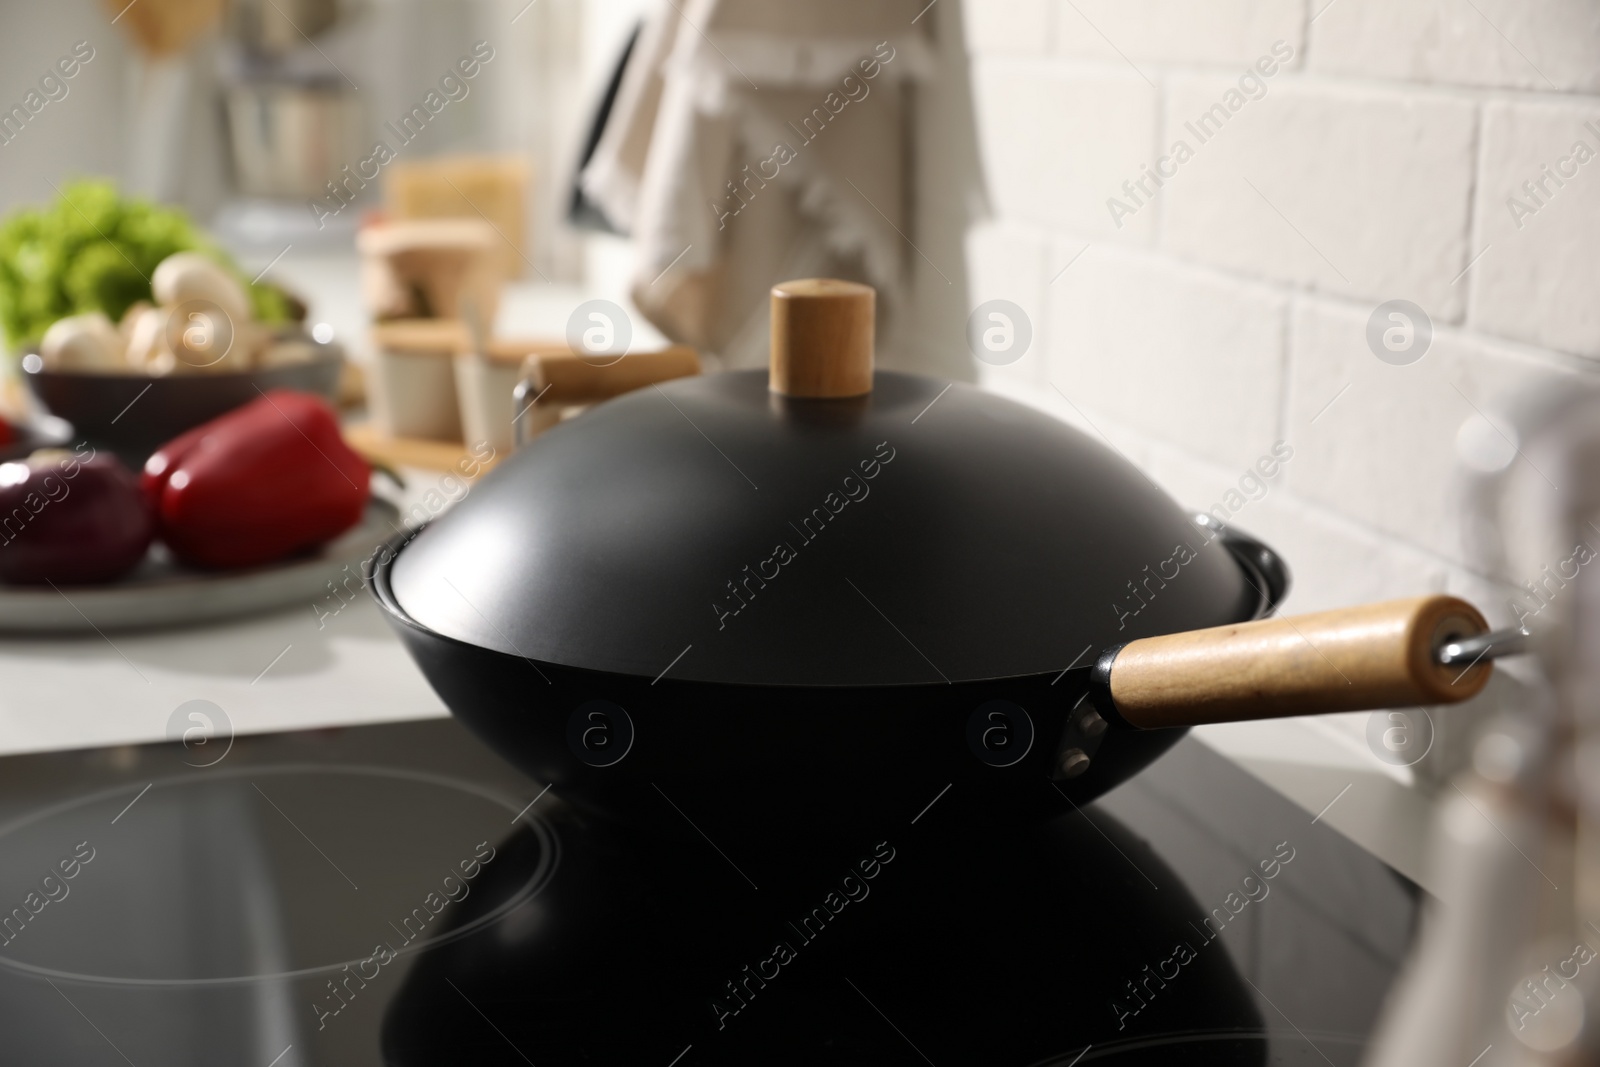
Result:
752,586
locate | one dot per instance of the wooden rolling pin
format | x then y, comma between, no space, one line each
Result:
1352,659
555,381
565,380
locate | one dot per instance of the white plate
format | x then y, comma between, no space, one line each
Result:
41,431
162,593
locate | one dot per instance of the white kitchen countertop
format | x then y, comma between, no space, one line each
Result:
267,673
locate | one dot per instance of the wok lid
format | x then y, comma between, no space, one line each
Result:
712,529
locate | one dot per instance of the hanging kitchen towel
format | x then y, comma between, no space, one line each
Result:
754,141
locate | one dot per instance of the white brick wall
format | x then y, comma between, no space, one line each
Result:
1230,32
1350,191
1006,262
1544,45
999,27
1385,451
1171,350
1537,281
1230,307
1055,139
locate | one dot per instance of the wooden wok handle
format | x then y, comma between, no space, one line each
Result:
1350,659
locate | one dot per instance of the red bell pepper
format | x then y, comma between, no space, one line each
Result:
262,482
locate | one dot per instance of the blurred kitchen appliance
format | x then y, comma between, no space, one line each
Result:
294,118
288,139
165,27
163,32
1506,972
277,27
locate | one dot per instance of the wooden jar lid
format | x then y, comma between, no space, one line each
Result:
425,235
512,351
822,338
441,337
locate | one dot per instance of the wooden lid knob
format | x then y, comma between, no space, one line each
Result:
822,336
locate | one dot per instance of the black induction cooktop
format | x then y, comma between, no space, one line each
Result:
396,895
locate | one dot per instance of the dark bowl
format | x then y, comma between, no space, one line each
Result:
132,415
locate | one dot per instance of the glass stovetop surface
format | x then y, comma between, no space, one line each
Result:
396,894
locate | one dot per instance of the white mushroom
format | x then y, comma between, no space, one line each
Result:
147,342
82,343
129,317
204,342
186,276
150,347
163,363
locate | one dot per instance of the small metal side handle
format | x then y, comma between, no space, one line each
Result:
522,400
1264,569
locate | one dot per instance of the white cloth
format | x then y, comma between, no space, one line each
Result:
753,141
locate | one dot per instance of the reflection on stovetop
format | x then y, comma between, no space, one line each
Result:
389,895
